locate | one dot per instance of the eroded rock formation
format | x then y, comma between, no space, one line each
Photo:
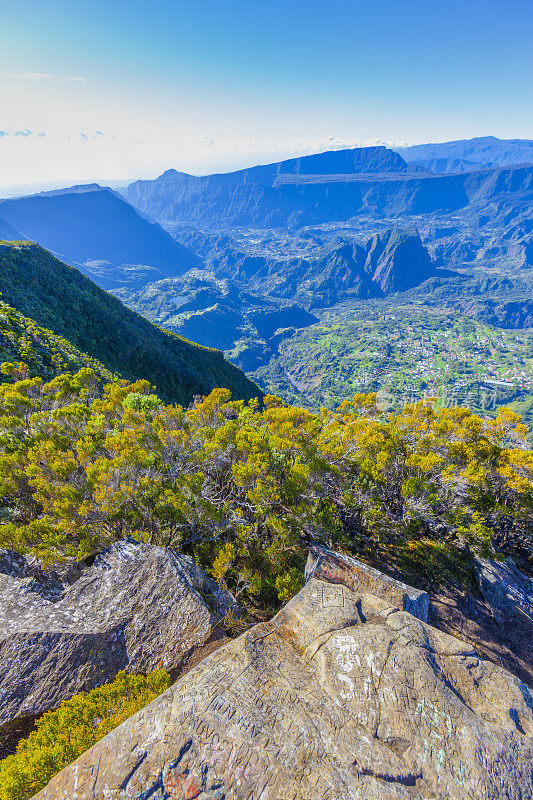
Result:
342,695
136,608
327,565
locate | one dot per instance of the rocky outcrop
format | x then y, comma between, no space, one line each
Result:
397,260
507,590
342,695
333,567
135,608
391,261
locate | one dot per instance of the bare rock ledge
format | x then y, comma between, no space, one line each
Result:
342,696
327,565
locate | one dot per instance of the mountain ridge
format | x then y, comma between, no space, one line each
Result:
295,199
467,155
95,229
59,298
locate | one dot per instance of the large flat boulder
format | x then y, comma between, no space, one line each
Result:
342,696
334,567
136,608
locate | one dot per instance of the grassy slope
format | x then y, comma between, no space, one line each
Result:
60,298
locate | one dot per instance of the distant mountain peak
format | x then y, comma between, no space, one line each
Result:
467,155
172,173
79,188
348,161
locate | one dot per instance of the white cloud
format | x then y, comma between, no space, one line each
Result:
65,154
307,146
24,133
42,76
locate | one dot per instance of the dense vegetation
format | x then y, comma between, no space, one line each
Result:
244,490
60,298
43,353
63,735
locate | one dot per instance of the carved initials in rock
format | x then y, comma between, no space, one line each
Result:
332,596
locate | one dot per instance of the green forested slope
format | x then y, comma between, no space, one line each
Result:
42,352
60,298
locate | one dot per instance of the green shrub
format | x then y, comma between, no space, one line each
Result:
242,489
63,735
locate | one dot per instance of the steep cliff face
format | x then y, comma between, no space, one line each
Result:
398,260
252,196
322,188
295,200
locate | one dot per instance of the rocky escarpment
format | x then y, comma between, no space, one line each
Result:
388,262
312,190
344,694
466,155
165,197
136,608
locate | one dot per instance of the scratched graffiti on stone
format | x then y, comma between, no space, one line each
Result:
341,697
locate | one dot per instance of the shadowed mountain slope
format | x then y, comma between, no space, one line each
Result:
8,232
96,230
59,298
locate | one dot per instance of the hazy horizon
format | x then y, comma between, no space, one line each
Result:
18,190
118,90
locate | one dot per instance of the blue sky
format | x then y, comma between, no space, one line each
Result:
113,89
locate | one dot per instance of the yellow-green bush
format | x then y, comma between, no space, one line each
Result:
243,489
63,735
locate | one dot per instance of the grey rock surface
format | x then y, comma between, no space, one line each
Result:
507,590
136,608
335,567
342,696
